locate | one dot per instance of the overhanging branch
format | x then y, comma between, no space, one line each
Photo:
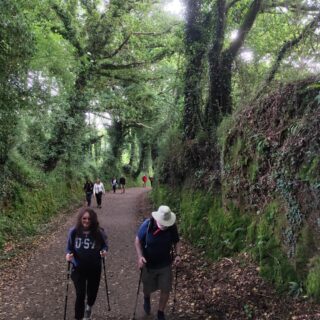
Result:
70,33
156,58
246,26
231,4
289,45
291,6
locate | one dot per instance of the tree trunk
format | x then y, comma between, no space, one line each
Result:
143,155
66,133
195,51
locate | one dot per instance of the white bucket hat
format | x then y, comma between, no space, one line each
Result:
164,216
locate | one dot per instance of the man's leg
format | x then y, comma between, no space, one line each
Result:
164,297
149,286
165,284
147,304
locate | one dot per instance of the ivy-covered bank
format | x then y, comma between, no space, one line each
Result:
224,231
268,201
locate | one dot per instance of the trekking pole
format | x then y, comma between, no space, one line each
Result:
135,306
105,280
66,296
175,290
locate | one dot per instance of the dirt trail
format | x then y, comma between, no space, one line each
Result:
229,289
35,289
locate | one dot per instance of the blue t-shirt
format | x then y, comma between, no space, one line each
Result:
157,244
85,249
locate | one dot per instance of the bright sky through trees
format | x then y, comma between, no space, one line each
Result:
175,7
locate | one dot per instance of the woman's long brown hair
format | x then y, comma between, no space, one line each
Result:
94,223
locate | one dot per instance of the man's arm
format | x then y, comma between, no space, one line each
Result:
141,259
177,248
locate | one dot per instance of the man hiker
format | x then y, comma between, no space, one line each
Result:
154,242
122,182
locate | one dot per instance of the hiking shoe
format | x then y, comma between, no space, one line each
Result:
87,312
146,305
160,316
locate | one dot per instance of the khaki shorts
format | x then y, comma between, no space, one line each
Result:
156,279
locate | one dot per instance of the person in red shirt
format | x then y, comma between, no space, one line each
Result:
144,180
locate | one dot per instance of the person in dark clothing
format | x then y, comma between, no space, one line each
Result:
151,181
114,184
86,246
122,182
88,189
154,242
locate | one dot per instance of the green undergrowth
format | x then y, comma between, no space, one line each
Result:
32,209
313,279
32,198
223,231
264,234
261,196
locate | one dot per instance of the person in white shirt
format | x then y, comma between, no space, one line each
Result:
98,190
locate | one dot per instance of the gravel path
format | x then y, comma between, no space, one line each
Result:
34,287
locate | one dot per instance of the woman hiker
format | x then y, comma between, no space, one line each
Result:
98,190
154,242
86,246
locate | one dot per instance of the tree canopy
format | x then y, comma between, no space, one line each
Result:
139,71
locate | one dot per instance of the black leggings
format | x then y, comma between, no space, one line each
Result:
88,197
98,196
86,282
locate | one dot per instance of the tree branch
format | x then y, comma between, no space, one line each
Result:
90,6
70,33
134,124
244,29
132,79
286,4
288,46
120,47
231,4
111,66
100,115
154,34
126,40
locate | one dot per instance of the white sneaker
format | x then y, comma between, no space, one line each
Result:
87,313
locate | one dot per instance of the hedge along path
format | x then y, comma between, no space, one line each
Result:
34,287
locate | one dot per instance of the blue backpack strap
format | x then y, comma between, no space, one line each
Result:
150,223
